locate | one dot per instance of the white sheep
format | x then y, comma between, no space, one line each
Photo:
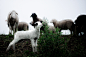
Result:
64,24
12,21
33,35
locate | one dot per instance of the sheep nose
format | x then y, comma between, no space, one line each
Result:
12,18
41,25
31,16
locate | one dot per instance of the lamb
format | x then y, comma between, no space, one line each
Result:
33,35
64,24
12,21
35,19
23,26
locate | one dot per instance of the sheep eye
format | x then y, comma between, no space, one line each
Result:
36,24
17,13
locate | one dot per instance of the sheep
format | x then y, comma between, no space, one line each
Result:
35,19
80,24
33,35
51,28
23,26
12,21
63,25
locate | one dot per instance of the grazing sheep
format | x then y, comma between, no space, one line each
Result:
12,21
63,25
23,26
35,19
80,24
33,35
51,28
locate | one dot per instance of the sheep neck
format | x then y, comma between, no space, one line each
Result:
35,19
37,30
54,23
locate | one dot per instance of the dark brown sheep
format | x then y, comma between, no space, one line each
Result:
80,24
35,19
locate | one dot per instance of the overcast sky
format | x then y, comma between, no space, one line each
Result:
58,9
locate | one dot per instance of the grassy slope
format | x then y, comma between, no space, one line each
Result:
76,46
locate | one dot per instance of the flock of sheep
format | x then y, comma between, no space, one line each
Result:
13,23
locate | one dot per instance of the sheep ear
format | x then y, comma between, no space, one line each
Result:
36,24
32,24
17,13
10,14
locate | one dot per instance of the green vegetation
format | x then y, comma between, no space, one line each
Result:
51,44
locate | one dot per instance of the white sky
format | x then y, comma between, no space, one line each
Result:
58,9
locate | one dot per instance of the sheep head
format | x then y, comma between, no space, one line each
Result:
54,21
38,25
13,14
33,15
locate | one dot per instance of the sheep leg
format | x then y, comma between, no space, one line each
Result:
9,46
16,27
10,29
13,29
76,31
12,43
36,46
14,47
71,32
25,28
60,30
32,42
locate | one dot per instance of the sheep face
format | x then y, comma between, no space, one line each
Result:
54,21
13,14
33,15
51,21
38,25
